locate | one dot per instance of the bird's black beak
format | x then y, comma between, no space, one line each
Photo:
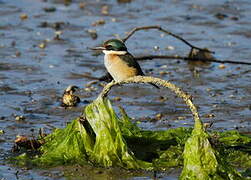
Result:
98,48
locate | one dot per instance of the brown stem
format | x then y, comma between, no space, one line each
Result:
165,31
158,82
150,57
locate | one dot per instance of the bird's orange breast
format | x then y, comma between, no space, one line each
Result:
118,68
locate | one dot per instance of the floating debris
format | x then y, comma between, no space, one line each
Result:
117,99
207,125
114,20
209,115
25,142
158,116
181,118
19,118
13,43
1,131
105,10
162,73
234,18
209,89
91,89
99,22
124,1
67,2
200,55
50,9
55,25
23,16
82,5
93,33
156,48
221,16
42,45
170,48
222,66
162,98
57,35
69,99
18,54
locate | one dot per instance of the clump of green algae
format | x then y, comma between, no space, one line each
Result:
101,138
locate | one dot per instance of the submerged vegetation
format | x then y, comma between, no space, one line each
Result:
102,138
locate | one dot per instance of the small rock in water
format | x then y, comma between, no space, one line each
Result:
20,118
42,45
105,10
23,16
57,35
221,16
158,116
50,9
156,48
69,99
170,48
98,22
162,98
209,115
234,18
93,33
82,5
18,54
117,99
222,66
114,20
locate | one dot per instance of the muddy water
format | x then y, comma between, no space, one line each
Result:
35,68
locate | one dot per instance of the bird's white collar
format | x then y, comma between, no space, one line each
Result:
106,52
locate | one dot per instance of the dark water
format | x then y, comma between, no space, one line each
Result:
32,78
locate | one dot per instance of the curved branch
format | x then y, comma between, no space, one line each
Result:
159,82
165,31
150,57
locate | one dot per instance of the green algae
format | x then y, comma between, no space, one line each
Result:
101,138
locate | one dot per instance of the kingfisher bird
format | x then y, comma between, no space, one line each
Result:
120,64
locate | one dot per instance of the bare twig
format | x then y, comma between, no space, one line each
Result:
159,82
150,57
165,31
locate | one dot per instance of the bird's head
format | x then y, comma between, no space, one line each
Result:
111,46
114,45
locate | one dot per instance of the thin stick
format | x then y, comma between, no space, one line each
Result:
165,31
150,57
159,82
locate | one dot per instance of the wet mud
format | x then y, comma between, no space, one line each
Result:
44,48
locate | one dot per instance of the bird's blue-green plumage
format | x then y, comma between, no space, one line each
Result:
115,45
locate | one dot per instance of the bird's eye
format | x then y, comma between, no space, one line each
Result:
108,47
